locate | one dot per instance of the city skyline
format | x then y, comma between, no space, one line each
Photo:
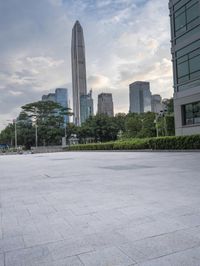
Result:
120,50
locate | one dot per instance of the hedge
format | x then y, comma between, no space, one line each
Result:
161,143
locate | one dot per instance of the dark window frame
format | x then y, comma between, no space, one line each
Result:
195,115
183,10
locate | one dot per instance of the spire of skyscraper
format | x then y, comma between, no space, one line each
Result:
79,83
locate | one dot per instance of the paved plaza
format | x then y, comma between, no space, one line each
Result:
100,209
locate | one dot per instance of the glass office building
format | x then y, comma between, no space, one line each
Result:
86,106
185,40
140,97
60,96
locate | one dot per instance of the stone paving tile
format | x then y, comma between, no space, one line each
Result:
62,249
190,220
42,237
150,229
71,261
11,243
189,257
1,259
158,246
29,256
1,231
109,256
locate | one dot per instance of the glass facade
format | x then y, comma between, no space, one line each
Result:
191,113
185,33
186,19
62,99
188,62
140,97
186,22
86,106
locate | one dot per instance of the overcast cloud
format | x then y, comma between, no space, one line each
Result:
126,40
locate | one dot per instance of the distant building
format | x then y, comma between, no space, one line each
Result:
185,40
105,104
86,106
60,96
156,103
49,97
140,97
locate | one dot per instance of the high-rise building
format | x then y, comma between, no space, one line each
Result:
185,40
140,97
79,83
156,103
86,106
60,96
105,104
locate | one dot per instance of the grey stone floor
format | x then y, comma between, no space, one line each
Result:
100,209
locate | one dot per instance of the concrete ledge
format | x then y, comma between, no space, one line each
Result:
132,150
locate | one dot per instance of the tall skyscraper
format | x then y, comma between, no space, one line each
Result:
105,104
185,41
140,97
79,83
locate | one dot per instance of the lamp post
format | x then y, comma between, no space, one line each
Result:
36,135
15,133
162,113
156,124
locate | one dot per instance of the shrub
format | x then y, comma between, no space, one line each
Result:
92,146
175,143
161,143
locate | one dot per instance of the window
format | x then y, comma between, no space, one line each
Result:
191,113
180,21
188,64
186,19
192,12
183,69
194,64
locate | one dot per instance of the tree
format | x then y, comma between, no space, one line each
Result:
7,135
133,125
119,121
25,131
100,127
148,126
170,128
170,106
48,116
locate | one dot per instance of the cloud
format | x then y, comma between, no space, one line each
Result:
126,40
99,82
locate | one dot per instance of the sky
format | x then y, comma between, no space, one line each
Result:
125,41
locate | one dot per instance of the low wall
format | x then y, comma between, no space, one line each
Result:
46,149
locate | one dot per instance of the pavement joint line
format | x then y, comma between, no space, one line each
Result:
80,260
175,252
135,262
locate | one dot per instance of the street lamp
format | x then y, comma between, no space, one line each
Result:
36,135
162,113
156,124
15,122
